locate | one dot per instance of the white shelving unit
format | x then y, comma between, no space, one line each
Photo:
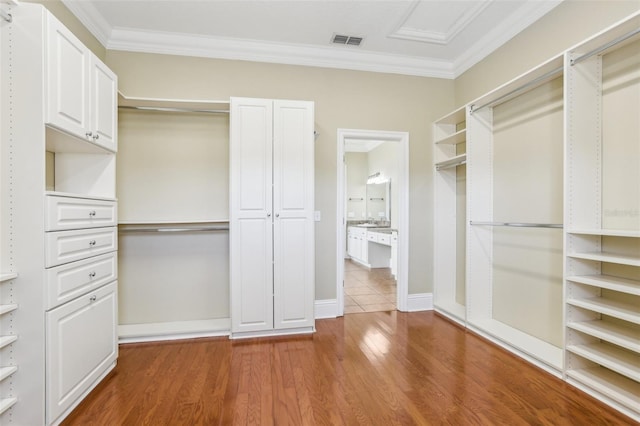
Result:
602,195
495,266
176,227
450,136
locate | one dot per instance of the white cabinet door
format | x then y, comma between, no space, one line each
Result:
104,105
293,225
250,199
81,347
68,75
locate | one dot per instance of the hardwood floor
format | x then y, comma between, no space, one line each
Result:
381,368
368,290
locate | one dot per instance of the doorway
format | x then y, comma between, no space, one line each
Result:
398,219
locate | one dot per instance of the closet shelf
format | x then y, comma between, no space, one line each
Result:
614,386
621,310
455,117
452,162
608,257
622,335
611,357
5,309
7,403
172,222
609,282
454,139
75,195
606,232
173,105
7,371
7,276
7,340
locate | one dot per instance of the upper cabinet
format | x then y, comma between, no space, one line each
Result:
81,92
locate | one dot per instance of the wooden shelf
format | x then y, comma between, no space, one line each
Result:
610,384
5,309
609,282
455,117
7,340
454,139
606,232
622,335
608,257
7,371
452,162
83,196
173,104
7,276
611,357
621,310
7,403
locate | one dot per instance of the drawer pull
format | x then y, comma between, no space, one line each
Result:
88,134
92,274
93,298
92,243
96,136
92,213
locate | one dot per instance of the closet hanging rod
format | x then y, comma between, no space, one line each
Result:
6,15
519,225
527,86
605,46
171,109
173,229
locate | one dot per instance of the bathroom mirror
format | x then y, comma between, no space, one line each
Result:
378,201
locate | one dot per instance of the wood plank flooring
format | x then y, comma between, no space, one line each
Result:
380,368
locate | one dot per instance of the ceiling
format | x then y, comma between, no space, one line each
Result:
431,38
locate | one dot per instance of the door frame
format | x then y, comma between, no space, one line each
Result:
402,277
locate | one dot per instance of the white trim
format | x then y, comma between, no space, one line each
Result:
280,53
402,276
151,332
499,35
273,333
327,308
93,20
420,302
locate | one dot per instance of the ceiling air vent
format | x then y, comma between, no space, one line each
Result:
346,40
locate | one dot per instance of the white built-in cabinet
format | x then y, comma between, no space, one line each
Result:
552,223
271,217
59,217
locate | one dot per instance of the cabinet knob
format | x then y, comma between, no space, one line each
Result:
92,213
268,214
92,242
93,298
89,134
96,136
92,274
277,214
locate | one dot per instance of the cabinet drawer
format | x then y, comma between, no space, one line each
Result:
372,237
66,282
68,246
76,213
384,239
81,341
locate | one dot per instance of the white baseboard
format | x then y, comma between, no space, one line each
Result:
420,302
327,308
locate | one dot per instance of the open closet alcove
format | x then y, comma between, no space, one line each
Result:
173,193
537,223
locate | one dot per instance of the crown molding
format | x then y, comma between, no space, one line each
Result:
89,16
403,32
327,57
502,33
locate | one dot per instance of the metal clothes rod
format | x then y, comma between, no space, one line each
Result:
186,229
605,46
530,85
519,225
6,15
163,109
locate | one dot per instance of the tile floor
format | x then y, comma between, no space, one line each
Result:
368,290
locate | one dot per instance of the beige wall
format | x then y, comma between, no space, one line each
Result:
384,159
343,99
568,24
357,172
